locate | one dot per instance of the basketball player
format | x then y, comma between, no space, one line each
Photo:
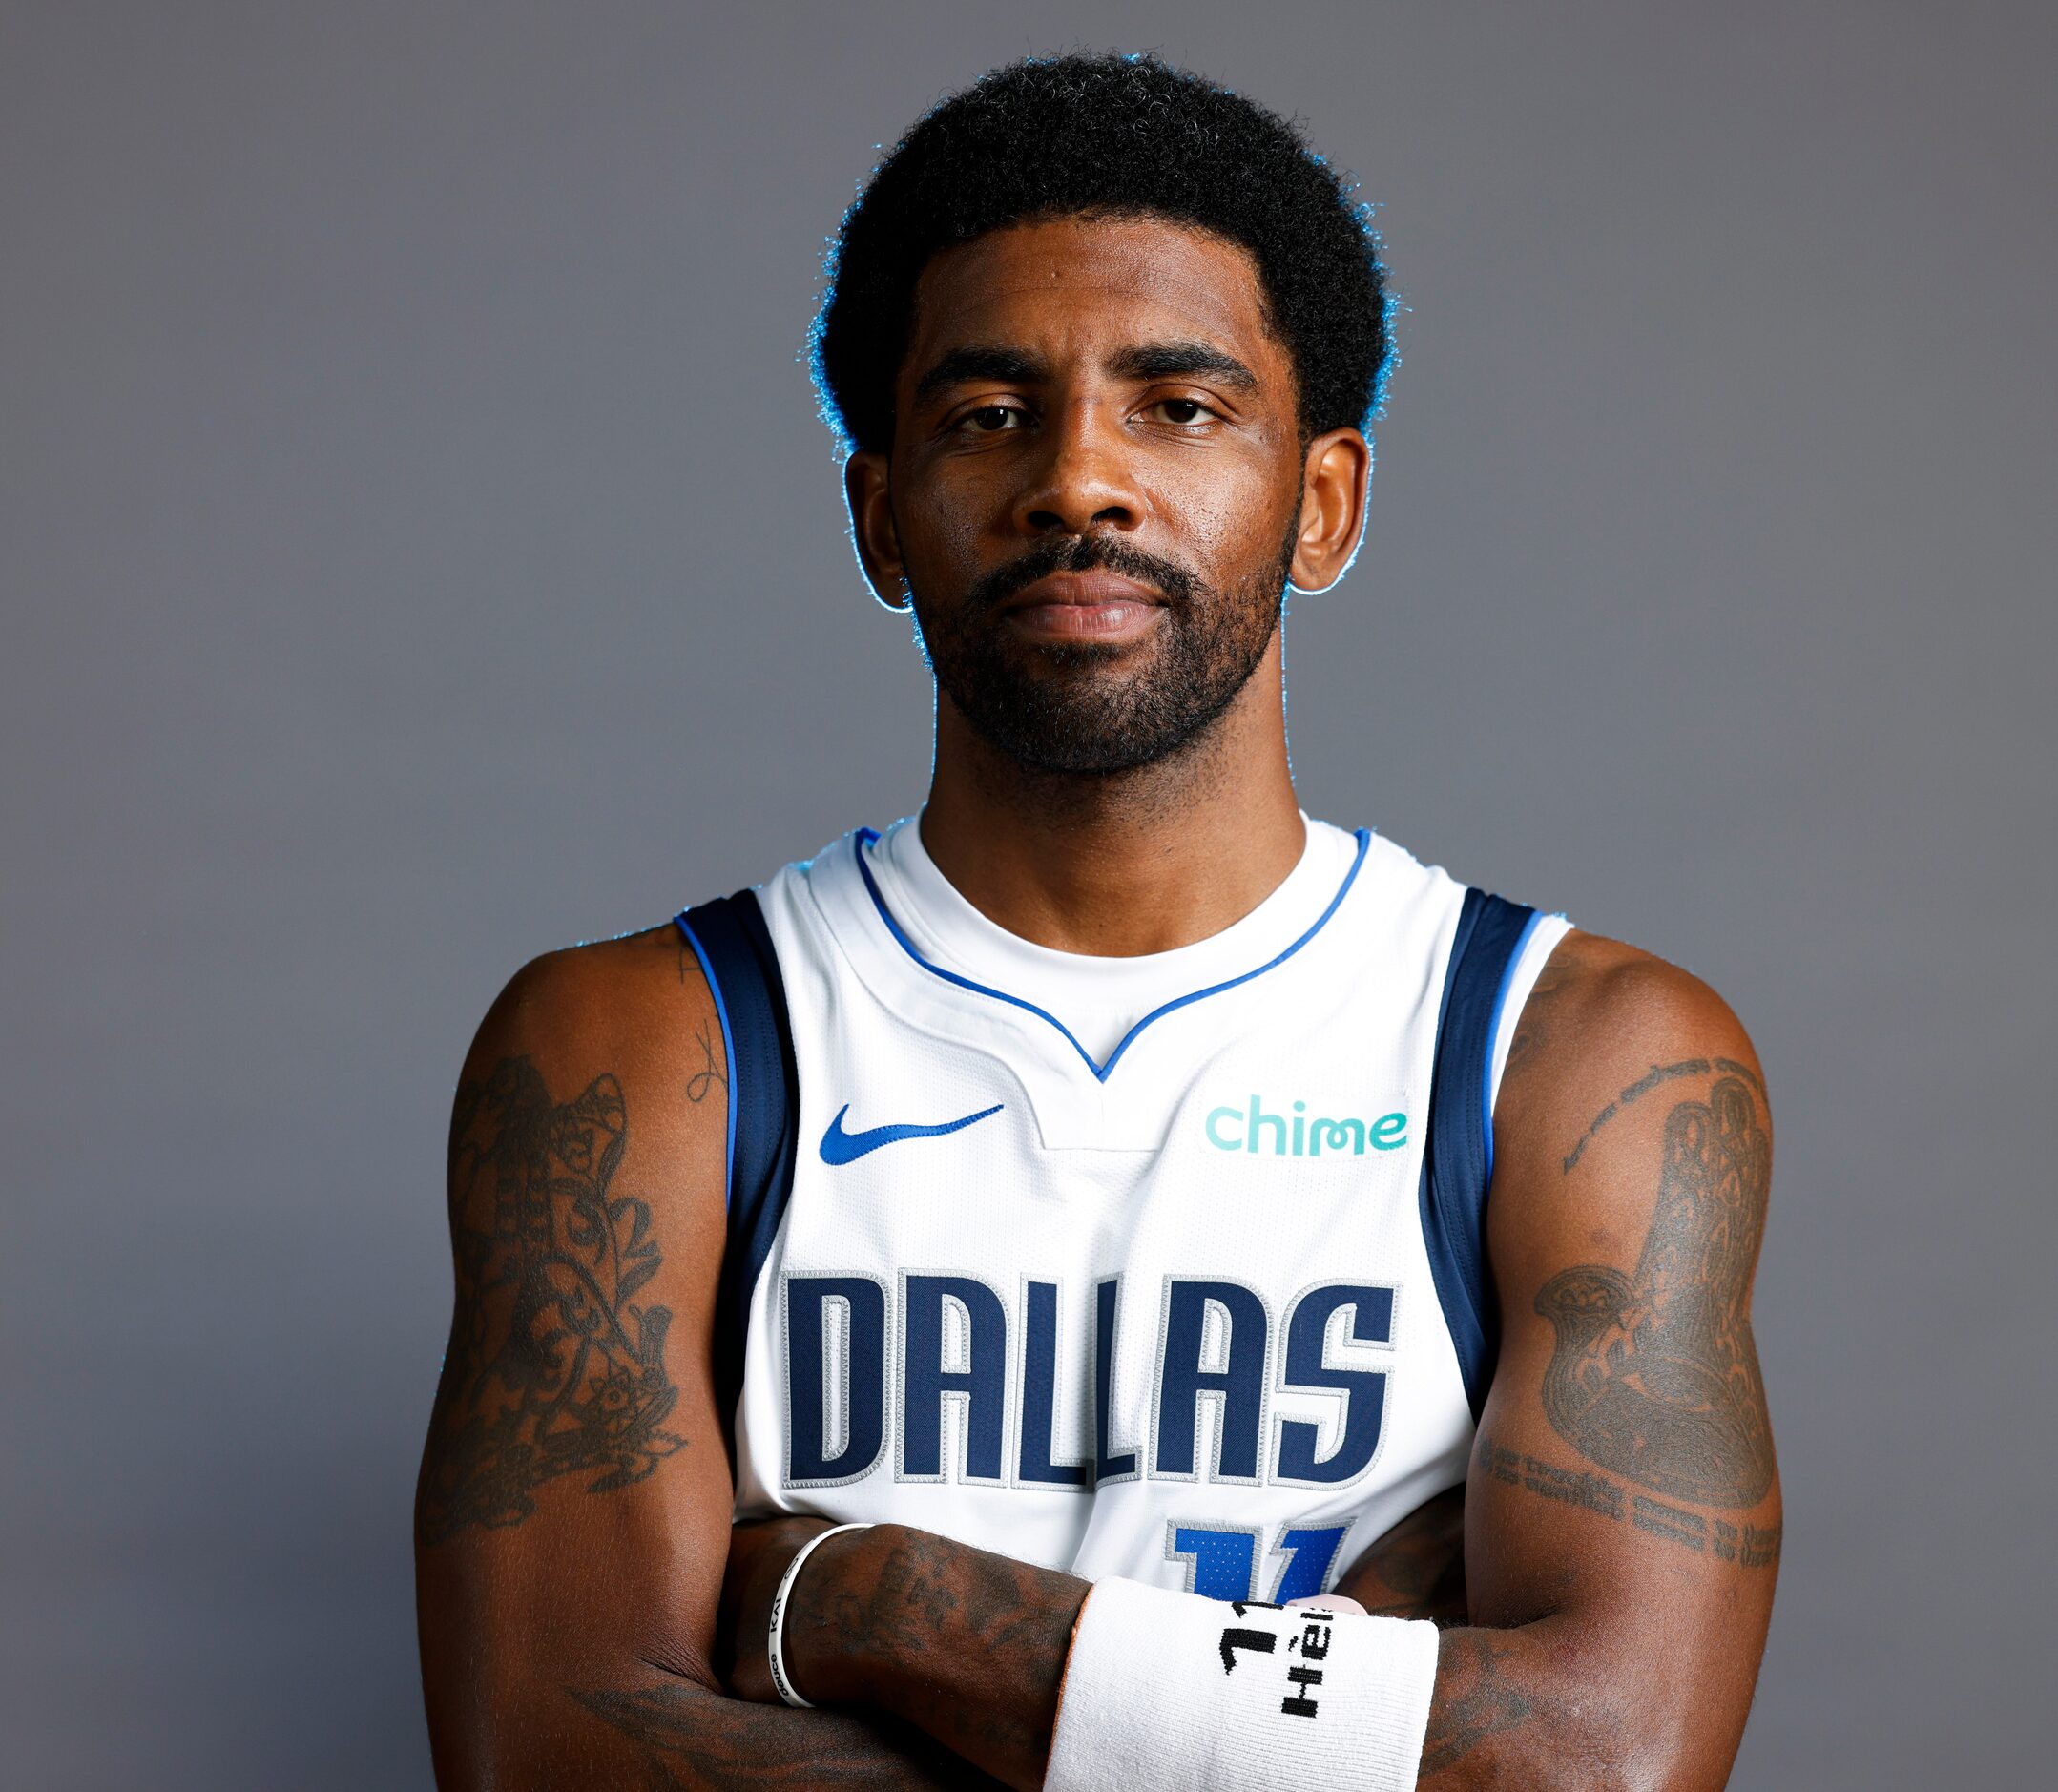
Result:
1017,1298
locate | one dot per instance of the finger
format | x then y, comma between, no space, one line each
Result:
1330,1602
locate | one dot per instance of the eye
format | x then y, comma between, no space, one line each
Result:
990,419
1181,411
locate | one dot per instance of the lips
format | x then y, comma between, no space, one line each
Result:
1088,588
1091,606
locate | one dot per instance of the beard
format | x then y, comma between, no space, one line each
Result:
1071,707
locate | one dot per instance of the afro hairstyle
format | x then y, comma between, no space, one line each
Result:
1109,135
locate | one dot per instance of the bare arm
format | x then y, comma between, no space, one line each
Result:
573,1509
990,1632
1622,1513
1416,1569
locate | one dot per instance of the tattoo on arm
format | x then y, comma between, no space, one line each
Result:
1642,1086
694,1738
712,1074
1751,1546
931,1606
553,1368
1655,1376
1416,1569
1729,1067
1473,1702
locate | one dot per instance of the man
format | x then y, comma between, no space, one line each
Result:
1044,1252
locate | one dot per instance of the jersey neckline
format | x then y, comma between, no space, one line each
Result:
866,838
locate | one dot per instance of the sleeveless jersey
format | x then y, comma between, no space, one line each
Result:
1203,1305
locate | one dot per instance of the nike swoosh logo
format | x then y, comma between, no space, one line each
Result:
841,1147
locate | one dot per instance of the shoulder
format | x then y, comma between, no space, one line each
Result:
618,1044
1598,1001
625,996
1615,1053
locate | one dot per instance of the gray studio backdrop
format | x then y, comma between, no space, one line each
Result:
419,550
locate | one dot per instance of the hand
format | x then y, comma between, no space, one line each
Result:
760,1555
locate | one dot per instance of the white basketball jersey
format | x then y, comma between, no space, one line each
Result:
1169,1268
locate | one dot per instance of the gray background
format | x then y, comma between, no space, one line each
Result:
419,550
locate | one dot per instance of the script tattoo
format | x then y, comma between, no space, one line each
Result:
712,1074
1754,1546
1656,1375
553,1368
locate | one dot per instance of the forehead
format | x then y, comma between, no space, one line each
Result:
1082,285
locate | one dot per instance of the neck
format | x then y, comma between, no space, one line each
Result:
1121,864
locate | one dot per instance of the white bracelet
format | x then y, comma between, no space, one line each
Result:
775,1644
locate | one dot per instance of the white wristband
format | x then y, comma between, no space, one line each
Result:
774,1643
1166,1692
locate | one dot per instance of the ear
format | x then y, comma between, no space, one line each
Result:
872,529
1334,476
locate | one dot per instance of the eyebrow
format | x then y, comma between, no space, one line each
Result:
1170,361
1142,361
980,362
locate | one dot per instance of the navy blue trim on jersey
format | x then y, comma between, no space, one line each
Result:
1457,1161
867,835
1493,1031
729,939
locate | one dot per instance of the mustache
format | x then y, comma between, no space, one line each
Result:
1086,553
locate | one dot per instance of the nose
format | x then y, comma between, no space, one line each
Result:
1082,478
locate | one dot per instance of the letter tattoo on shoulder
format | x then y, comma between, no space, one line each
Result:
553,1368
712,1074
1655,1375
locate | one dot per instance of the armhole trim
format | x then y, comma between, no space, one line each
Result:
1493,1033
1538,945
728,1058
1458,1160
729,938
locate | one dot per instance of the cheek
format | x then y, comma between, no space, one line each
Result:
944,521
1227,523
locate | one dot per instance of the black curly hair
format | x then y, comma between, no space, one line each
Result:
1112,136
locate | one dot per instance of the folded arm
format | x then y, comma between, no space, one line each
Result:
1416,1569
1622,1513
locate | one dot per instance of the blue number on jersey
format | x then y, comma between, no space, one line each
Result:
1225,1562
